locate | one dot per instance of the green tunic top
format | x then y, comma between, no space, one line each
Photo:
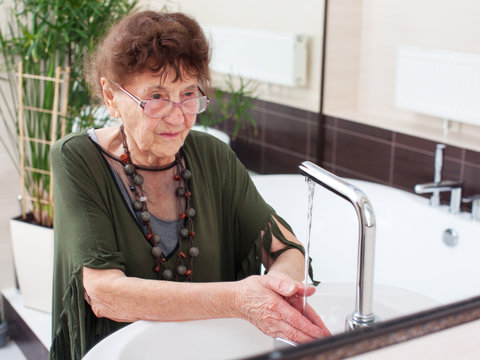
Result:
95,228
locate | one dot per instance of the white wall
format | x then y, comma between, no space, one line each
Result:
342,60
369,74
9,208
300,16
9,190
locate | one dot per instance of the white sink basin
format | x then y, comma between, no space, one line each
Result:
236,338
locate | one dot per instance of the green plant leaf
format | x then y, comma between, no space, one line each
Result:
44,34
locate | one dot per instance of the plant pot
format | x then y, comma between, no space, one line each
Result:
3,333
33,256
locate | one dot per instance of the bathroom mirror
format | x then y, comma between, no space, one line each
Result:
424,253
372,51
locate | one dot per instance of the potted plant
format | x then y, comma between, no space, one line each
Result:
45,35
231,106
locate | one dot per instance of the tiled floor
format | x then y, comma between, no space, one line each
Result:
38,324
11,352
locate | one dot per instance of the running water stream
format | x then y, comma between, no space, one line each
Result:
311,191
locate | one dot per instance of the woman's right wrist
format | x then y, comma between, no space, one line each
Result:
233,298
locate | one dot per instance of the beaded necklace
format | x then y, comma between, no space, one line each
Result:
186,234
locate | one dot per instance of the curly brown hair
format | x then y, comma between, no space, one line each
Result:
150,41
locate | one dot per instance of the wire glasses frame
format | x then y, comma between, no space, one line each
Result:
161,107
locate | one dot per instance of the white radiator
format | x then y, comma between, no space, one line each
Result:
440,83
271,57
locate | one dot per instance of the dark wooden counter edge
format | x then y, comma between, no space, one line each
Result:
382,334
20,332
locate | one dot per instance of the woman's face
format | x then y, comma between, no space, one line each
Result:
155,141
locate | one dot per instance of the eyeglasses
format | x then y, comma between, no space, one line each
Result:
160,107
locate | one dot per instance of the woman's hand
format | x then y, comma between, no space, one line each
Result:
274,304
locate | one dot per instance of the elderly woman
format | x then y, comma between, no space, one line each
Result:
154,222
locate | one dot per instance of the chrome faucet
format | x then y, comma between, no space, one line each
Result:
438,185
363,315
475,200
454,187
437,176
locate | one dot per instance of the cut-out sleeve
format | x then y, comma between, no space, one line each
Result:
255,224
84,236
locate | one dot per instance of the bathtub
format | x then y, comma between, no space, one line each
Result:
410,251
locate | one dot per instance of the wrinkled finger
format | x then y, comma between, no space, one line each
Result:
296,302
303,290
310,313
282,286
288,332
295,318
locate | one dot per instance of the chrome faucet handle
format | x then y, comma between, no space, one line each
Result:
442,186
455,200
475,200
437,175
454,187
438,162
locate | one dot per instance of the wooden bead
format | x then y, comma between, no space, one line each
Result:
186,174
129,169
167,274
124,157
145,216
137,205
183,233
193,251
156,251
191,212
181,269
138,179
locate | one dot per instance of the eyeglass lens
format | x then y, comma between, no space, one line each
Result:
159,107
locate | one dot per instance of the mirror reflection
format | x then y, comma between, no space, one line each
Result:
409,71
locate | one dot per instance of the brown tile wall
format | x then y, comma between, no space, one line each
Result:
394,159
287,136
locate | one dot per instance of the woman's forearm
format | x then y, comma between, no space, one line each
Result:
291,262
113,295
265,301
